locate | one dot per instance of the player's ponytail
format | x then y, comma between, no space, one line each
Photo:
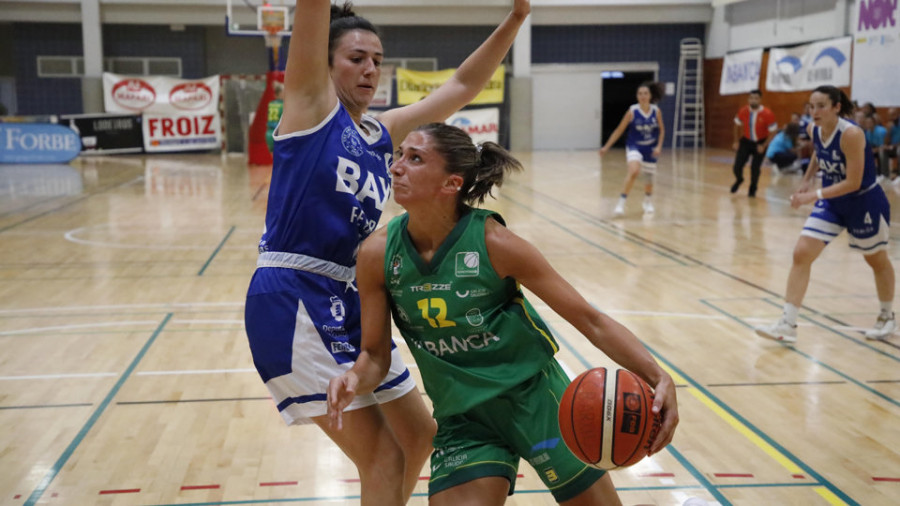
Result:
657,90
343,20
482,167
837,96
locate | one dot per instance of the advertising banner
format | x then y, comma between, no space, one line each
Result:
482,125
740,72
107,134
413,86
876,53
809,66
178,114
37,143
384,95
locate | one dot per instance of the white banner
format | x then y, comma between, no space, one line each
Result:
384,94
740,72
482,124
809,66
178,114
876,53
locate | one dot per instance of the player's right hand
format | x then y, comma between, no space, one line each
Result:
341,391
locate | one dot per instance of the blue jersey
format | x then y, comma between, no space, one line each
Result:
329,187
643,129
833,163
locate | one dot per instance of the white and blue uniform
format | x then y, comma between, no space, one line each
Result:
865,213
643,135
329,186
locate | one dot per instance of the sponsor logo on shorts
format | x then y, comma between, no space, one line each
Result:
334,331
467,263
338,311
339,347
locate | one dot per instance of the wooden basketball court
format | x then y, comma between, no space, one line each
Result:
126,376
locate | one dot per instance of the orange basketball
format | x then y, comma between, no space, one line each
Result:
605,418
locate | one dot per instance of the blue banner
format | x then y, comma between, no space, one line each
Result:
37,143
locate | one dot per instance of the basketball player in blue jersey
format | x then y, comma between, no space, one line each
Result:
850,198
330,182
646,133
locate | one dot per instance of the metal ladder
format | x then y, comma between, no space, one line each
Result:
689,112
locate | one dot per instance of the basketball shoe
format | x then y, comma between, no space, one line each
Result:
620,208
648,206
885,325
778,331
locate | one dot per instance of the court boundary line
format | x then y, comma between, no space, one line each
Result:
79,437
216,252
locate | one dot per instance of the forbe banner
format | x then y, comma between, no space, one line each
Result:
413,86
809,66
740,72
876,53
37,143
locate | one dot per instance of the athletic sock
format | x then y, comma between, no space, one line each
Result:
790,314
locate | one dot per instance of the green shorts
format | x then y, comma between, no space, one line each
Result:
489,440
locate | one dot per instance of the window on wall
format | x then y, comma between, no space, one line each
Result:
73,66
421,64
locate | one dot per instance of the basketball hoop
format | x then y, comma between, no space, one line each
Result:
273,21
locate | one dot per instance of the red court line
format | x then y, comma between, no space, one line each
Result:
17,496
882,478
799,476
121,491
199,487
277,483
733,475
657,475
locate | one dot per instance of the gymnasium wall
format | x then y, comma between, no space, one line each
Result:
618,43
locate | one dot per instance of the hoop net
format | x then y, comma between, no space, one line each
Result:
272,20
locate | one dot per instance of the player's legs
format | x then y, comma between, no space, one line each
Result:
740,159
755,166
884,274
369,442
414,429
602,492
634,168
487,491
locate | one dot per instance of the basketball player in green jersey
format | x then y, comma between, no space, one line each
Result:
276,106
450,276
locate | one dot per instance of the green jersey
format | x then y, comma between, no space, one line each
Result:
473,334
274,113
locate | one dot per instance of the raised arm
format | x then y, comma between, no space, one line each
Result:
375,349
626,119
465,84
512,256
308,92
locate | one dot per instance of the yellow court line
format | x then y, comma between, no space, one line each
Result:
829,496
740,427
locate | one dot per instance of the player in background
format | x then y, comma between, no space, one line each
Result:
330,182
850,198
450,274
646,134
273,113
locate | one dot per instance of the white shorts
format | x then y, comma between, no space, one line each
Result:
648,169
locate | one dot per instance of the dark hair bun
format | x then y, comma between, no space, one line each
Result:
342,11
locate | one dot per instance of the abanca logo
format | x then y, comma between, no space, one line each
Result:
134,94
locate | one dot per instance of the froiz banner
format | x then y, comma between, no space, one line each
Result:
482,125
178,114
413,86
740,72
876,52
809,66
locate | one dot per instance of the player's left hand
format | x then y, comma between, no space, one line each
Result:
656,152
341,391
666,406
802,198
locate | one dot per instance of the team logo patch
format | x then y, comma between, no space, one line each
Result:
473,316
868,219
467,263
338,311
351,141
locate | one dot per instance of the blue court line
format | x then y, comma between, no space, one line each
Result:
704,483
561,227
216,252
814,359
67,204
51,474
604,225
860,342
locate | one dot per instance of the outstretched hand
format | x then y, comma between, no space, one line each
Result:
521,7
341,391
664,405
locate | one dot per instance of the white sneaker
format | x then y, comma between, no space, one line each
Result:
884,327
779,331
620,208
648,207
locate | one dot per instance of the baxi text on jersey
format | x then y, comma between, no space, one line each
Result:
183,126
